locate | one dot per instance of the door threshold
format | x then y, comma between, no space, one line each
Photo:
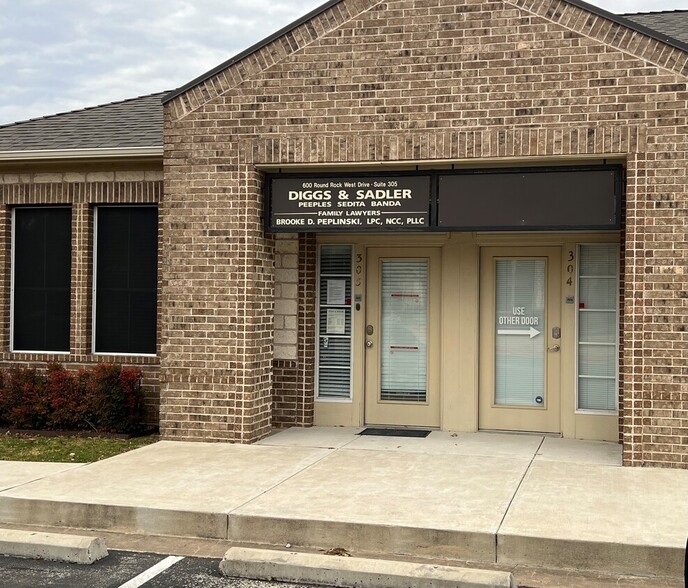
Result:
395,432
533,433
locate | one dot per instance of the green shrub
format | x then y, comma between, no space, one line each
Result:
106,397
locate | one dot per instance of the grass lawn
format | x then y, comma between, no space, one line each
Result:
24,447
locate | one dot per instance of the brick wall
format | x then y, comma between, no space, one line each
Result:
81,190
410,80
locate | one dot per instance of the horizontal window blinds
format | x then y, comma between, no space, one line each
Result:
403,346
334,322
519,352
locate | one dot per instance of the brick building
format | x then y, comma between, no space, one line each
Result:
101,164
457,215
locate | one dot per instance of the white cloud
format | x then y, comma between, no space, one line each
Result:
58,55
64,54
628,6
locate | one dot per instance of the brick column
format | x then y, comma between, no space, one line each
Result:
82,271
6,260
305,408
285,380
217,304
295,307
632,359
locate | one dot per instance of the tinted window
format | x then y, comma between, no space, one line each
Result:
42,275
126,279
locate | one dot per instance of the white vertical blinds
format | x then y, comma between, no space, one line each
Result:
519,357
334,322
598,294
404,325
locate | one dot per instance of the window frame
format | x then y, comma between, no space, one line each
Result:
13,268
94,285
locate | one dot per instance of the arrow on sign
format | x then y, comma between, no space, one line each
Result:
532,332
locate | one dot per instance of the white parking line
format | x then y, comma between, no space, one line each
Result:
151,572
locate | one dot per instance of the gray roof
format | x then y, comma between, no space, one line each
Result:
136,122
673,23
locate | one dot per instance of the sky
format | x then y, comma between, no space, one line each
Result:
61,55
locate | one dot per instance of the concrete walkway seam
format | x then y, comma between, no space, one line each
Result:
329,570
52,546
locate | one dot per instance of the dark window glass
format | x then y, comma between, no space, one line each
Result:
126,279
42,275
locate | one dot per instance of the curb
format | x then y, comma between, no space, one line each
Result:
287,566
52,546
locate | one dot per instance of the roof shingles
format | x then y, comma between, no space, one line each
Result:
136,122
672,23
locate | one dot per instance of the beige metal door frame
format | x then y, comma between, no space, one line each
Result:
545,418
386,412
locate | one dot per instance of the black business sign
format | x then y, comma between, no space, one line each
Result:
513,200
350,203
507,199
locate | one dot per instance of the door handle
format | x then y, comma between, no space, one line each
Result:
369,344
554,348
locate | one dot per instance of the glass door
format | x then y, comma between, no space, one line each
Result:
520,339
402,337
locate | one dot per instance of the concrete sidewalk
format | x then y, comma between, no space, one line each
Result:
497,498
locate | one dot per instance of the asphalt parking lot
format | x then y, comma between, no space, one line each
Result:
123,569
127,569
